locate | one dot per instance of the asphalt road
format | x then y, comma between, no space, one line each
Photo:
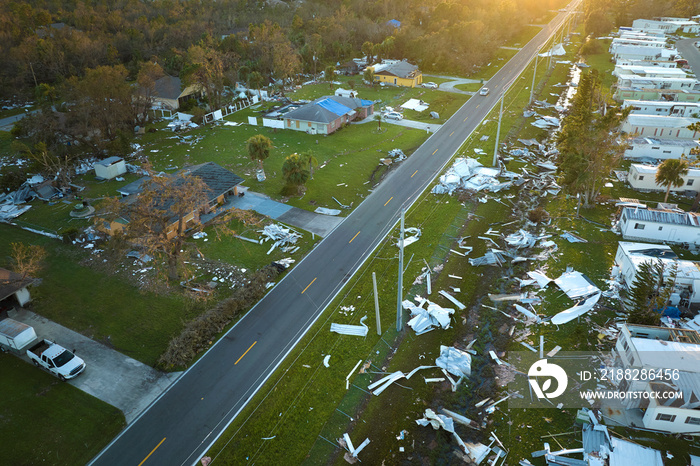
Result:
180,426
690,52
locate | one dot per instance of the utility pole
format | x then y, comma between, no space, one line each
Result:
399,309
498,131
376,304
534,74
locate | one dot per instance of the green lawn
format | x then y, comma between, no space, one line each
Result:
469,87
45,421
101,306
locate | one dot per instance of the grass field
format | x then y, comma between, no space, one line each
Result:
45,421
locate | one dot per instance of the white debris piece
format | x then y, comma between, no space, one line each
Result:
283,238
541,279
523,239
450,298
572,238
468,173
425,320
437,421
355,330
492,257
578,310
326,360
415,104
327,211
376,388
454,361
415,236
576,285
529,314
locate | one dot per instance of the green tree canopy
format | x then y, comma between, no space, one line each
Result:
670,174
295,170
650,291
259,148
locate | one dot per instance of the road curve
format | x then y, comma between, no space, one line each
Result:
180,426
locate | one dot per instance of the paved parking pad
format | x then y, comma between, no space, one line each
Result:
110,376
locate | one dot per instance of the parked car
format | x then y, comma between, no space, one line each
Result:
393,116
56,359
430,85
484,91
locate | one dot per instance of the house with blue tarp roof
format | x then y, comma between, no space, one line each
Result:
328,114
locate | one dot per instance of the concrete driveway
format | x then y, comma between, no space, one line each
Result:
110,376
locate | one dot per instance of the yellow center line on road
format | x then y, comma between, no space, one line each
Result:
465,118
354,237
144,460
452,133
312,282
388,201
478,106
414,173
434,151
246,352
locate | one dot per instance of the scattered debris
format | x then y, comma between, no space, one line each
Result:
351,455
326,360
450,298
425,320
572,238
415,236
326,211
283,238
354,330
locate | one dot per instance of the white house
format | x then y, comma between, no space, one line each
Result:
635,32
643,178
657,126
110,167
684,24
660,226
675,408
657,82
630,256
637,52
660,107
649,71
659,149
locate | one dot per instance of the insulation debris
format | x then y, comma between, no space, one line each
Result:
397,154
355,330
523,239
425,320
578,310
327,211
283,238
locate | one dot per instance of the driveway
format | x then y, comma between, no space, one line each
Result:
690,52
110,376
450,85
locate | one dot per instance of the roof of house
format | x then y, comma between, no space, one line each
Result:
662,216
109,161
658,103
168,87
652,169
11,282
218,179
400,69
645,50
326,109
659,121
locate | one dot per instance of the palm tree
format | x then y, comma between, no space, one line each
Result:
670,173
330,74
369,76
256,79
294,171
312,161
378,119
259,147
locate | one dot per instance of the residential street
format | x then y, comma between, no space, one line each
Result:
181,425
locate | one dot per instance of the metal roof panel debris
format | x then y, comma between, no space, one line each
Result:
355,330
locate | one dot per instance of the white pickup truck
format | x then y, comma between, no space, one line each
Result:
56,359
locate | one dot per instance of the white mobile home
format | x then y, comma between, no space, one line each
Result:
630,256
657,82
656,126
636,52
649,71
673,351
660,226
669,27
664,108
659,149
636,41
648,63
643,178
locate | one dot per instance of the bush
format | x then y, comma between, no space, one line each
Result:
537,215
591,47
199,333
12,177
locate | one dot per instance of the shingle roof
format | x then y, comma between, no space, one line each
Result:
168,87
400,69
11,282
325,109
217,178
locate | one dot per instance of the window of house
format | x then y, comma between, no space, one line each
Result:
666,417
641,177
624,344
667,152
689,183
661,228
639,226
655,148
693,420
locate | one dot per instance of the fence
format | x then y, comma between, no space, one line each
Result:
227,110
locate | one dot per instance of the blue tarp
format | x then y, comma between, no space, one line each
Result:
670,311
365,103
335,107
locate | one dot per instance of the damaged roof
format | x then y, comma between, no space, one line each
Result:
662,216
11,282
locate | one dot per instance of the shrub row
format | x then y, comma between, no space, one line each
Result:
199,333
